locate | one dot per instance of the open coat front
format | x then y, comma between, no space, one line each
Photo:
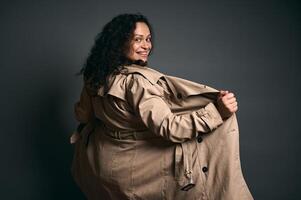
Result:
154,136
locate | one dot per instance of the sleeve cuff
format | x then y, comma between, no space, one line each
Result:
210,116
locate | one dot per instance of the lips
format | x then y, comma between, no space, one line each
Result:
143,53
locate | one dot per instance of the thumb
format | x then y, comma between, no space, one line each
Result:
223,92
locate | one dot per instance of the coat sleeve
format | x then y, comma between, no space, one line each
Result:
156,114
83,109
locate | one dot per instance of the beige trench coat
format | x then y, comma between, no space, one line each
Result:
154,136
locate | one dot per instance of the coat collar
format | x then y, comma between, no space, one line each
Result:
117,84
150,74
177,85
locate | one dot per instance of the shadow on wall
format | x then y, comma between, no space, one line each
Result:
52,151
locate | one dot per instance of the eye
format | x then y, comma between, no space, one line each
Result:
137,39
149,39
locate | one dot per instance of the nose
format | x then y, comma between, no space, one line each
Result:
146,45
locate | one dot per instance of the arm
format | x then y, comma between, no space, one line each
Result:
83,109
157,116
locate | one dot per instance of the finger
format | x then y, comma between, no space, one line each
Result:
234,104
235,108
228,99
229,95
231,100
74,137
231,106
223,92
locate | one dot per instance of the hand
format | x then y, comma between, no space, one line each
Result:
226,104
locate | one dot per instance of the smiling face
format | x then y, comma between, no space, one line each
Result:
141,44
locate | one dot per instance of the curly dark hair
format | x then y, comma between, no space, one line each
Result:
109,51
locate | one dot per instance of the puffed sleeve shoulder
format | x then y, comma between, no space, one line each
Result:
147,102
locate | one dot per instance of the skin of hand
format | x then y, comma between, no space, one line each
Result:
226,103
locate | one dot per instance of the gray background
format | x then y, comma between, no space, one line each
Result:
249,47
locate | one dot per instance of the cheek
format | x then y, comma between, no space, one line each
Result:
135,47
131,51
132,54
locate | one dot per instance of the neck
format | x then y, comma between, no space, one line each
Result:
137,62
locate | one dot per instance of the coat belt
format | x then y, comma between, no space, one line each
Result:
183,166
183,154
128,135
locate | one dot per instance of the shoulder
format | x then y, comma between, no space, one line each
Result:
140,84
134,78
142,73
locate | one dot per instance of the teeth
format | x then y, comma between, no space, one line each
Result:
143,54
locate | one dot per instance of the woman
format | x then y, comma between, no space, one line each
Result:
146,135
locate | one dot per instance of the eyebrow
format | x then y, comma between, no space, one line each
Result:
141,35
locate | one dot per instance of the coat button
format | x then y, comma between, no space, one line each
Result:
200,139
179,95
205,169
